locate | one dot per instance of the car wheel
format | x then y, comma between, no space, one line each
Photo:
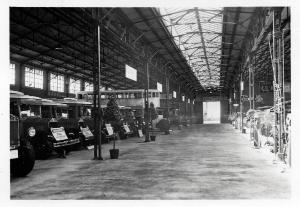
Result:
25,163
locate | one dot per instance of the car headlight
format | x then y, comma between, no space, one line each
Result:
31,132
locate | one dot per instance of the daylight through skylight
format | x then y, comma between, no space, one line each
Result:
198,34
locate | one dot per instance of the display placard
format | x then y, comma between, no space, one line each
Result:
140,133
90,147
59,134
86,132
14,154
109,129
127,130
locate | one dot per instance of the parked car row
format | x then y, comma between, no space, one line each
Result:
39,127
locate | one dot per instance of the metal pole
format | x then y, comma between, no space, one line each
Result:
96,90
147,138
148,119
99,94
167,92
280,97
241,102
275,88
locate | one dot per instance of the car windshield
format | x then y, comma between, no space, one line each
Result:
87,112
71,112
24,111
46,112
62,113
35,111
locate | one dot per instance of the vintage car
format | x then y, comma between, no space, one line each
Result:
39,124
58,140
22,155
73,118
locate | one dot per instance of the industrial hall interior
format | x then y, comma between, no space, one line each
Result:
149,103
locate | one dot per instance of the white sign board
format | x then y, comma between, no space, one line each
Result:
159,87
90,147
59,134
130,73
109,129
127,130
86,132
140,133
174,94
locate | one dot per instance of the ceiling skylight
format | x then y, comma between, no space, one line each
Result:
198,34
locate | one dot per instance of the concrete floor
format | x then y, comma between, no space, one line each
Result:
199,162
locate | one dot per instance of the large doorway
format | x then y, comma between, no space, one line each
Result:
211,112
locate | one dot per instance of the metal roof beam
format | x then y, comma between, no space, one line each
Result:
202,40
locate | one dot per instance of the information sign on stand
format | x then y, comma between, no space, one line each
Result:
86,132
109,129
59,134
140,133
127,130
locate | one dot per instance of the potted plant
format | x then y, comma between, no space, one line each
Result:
114,153
113,116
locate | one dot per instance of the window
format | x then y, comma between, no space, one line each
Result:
33,78
88,86
74,86
56,82
12,71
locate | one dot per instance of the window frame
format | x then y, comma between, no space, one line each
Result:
12,73
57,88
88,85
36,77
77,85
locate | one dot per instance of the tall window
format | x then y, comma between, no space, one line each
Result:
88,86
12,71
74,85
33,78
56,82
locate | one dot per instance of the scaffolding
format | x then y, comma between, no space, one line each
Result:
276,46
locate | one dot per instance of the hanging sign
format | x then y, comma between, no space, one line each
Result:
59,134
130,73
159,87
